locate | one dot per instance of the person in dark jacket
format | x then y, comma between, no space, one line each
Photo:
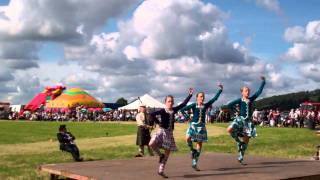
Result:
164,137
66,140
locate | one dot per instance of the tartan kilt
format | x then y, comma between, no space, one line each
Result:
164,139
143,136
197,132
243,127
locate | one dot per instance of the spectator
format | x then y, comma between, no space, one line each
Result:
143,133
292,117
277,117
296,116
265,120
255,116
318,116
66,140
310,117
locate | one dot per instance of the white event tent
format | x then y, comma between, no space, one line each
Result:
146,100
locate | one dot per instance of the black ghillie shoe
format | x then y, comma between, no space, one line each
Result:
139,155
241,162
162,175
79,159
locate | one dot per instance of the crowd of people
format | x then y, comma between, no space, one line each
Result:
270,118
78,114
84,114
265,118
293,118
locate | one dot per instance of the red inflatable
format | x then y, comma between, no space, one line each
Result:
40,100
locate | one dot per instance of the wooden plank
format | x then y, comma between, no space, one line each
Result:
50,168
212,165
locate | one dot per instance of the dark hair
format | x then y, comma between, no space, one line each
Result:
62,127
169,96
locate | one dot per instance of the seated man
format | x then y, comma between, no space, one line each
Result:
66,140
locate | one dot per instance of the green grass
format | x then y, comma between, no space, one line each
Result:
13,132
25,167
272,142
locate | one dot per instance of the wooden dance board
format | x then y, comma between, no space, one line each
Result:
212,165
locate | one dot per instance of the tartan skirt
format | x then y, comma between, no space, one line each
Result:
197,132
164,139
243,127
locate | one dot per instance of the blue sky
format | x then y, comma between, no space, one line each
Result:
4,2
266,28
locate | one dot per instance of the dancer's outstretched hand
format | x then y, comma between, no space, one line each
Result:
220,86
190,91
263,78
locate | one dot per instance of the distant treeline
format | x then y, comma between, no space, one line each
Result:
288,101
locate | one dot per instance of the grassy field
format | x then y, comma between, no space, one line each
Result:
26,145
28,132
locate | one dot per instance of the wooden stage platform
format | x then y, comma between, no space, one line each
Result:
212,165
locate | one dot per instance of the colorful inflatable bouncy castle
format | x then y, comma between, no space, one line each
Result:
41,99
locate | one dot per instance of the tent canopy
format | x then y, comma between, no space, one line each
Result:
146,100
74,97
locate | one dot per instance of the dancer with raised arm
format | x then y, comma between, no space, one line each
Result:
164,137
242,126
197,131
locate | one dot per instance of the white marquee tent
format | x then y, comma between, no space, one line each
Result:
146,100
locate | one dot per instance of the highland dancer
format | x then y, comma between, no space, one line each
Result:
197,131
242,125
164,137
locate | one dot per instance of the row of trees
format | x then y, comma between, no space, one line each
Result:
122,101
288,101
